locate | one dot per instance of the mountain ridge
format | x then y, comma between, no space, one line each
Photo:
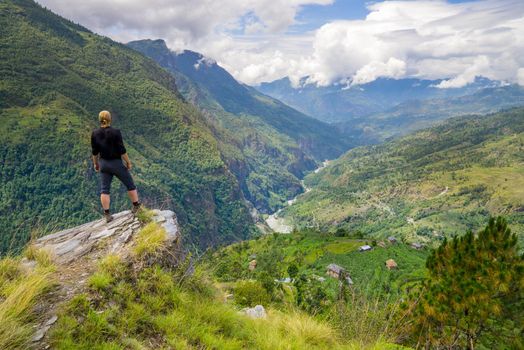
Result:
350,101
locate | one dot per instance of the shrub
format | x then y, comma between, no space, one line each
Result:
251,293
473,293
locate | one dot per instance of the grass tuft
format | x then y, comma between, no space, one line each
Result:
144,215
100,280
112,265
149,240
41,256
19,293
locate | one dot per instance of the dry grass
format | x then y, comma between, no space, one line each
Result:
20,290
41,256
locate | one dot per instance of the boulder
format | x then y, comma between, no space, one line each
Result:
255,312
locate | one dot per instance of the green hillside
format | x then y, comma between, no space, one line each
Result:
312,251
144,295
467,293
56,77
271,146
435,183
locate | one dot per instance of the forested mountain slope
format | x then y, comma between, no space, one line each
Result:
270,145
55,78
437,182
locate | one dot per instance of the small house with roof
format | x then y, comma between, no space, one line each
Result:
365,248
417,245
391,264
336,271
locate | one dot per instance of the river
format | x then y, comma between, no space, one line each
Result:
281,225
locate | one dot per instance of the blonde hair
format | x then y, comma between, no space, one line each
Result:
105,118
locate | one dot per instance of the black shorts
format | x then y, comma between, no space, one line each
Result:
115,167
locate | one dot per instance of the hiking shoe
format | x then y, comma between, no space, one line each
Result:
136,208
108,217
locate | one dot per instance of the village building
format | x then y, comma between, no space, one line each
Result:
284,280
252,265
336,271
416,245
392,240
391,264
365,248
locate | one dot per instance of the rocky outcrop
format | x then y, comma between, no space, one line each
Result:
77,250
71,244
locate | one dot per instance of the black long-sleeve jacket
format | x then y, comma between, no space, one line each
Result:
108,143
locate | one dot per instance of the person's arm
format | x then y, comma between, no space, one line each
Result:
94,153
123,151
126,160
95,163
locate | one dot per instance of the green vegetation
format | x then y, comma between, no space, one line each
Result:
138,302
149,240
269,145
141,304
436,183
473,294
362,312
20,289
467,292
56,77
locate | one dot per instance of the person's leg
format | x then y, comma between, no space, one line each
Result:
126,178
133,195
105,199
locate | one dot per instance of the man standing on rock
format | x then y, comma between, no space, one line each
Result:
109,156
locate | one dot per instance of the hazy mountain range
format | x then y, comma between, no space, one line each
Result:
387,107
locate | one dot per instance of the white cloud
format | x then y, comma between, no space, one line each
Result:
393,68
427,38
520,76
431,39
480,65
189,20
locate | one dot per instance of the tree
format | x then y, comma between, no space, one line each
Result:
292,271
474,292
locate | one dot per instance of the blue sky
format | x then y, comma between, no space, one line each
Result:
355,40
312,17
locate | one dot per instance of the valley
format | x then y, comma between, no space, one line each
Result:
423,187
384,215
